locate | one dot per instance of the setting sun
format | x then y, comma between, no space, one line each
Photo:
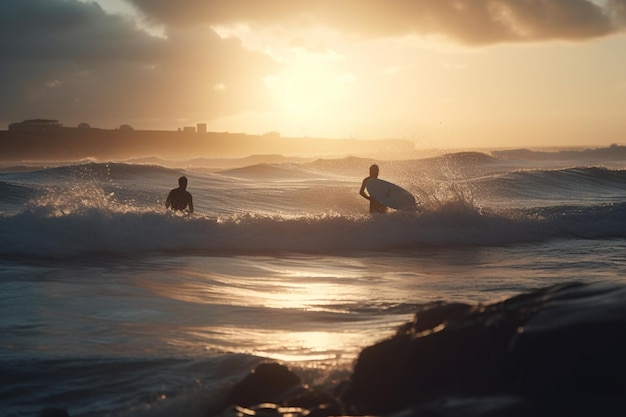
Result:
305,92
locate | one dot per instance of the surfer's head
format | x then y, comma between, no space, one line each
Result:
182,182
374,171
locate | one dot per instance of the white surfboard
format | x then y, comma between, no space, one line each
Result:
391,195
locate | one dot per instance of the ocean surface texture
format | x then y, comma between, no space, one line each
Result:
112,306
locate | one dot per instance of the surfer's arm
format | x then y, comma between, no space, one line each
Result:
190,205
168,201
362,190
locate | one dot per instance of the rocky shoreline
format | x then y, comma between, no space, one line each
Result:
557,351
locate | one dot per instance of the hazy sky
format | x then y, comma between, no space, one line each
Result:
443,73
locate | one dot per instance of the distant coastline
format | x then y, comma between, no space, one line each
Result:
54,143
44,140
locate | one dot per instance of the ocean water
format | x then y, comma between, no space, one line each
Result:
112,306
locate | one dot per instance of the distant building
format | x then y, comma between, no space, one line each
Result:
126,128
201,128
189,129
35,125
84,126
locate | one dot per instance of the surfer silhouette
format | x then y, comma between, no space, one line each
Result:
180,199
375,206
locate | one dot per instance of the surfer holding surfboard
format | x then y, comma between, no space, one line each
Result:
375,205
383,194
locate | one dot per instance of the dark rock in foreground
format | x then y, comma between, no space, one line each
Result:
269,382
553,352
53,412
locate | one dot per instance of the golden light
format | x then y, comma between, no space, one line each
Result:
306,91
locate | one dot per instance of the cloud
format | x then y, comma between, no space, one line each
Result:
72,61
36,30
476,22
617,10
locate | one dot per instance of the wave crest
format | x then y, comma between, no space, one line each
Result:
39,232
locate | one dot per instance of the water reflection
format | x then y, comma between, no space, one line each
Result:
292,309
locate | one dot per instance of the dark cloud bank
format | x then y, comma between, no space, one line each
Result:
467,21
68,60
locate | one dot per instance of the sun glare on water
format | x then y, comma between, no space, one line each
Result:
296,311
